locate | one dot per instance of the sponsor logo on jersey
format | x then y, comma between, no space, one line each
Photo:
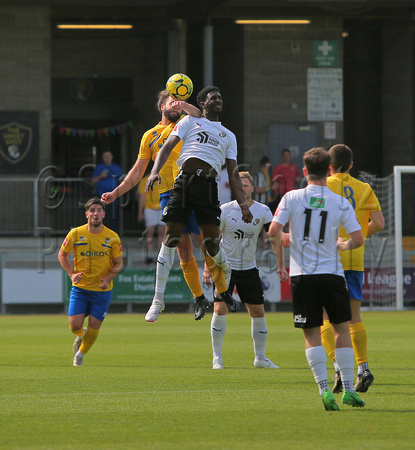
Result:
94,254
317,202
81,238
240,234
205,138
65,242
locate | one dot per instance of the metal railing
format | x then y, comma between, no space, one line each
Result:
30,205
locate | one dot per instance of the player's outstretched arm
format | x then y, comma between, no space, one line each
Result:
132,178
161,159
187,108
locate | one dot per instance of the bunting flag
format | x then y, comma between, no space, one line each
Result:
79,132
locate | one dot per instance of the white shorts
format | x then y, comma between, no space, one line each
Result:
152,217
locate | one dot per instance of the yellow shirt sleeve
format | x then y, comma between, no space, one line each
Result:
364,201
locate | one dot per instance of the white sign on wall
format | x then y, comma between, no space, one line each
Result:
30,286
325,94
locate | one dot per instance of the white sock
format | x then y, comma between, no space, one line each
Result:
165,260
217,332
79,354
221,260
316,357
259,336
345,360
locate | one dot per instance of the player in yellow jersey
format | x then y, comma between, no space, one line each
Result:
171,112
97,261
370,217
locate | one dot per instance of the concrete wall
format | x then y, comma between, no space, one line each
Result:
25,67
276,61
398,95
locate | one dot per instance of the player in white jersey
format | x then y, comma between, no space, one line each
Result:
239,240
207,145
317,279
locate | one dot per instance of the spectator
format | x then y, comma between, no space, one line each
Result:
275,196
263,182
106,177
286,173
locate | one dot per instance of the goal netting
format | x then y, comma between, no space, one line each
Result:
389,278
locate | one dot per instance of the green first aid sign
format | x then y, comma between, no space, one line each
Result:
137,285
325,53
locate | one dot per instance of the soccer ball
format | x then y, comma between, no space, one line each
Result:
179,86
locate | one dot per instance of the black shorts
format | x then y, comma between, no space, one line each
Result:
312,293
193,193
248,285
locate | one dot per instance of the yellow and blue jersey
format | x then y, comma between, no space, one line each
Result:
93,255
364,201
152,196
151,143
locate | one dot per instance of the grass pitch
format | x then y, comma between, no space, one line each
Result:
151,386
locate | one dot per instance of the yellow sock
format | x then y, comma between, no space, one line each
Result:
217,274
88,340
327,338
79,332
191,275
359,342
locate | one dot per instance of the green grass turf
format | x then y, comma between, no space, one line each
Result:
151,386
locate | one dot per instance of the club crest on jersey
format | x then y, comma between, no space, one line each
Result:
222,134
255,222
317,202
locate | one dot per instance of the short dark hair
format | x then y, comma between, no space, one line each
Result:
202,95
264,160
94,201
341,157
162,96
317,162
285,150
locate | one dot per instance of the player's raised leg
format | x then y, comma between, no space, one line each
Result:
165,260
